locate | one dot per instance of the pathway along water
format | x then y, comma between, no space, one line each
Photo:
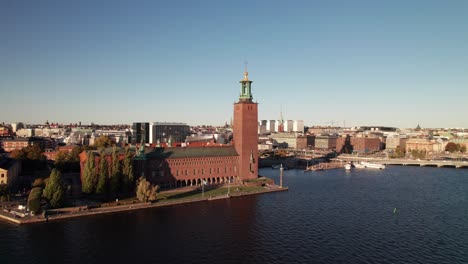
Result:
326,217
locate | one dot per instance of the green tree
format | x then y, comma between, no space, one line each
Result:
102,183
463,149
452,147
74,155
103,142
398,153
18,154
127,171
88,183
116,172
418,154
146,192
34,152
54,191
4,193
34,199
61,160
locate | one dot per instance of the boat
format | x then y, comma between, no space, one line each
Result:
347,166
279,166
317,168
365,164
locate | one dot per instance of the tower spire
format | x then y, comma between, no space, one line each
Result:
246,73
246,89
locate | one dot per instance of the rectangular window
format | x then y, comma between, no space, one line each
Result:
3,175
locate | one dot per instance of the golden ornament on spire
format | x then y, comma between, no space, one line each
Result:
246,73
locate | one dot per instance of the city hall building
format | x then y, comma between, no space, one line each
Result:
218,164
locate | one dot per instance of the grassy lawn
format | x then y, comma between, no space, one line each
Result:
194,194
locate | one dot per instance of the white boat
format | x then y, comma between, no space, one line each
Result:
347,166
365,164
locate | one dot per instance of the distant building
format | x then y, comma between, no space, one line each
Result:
12,144
162,132
298,126
139,130
325,142
319,130
19,143
392,142
281,126
9,171
360,144
25,132
424,144
5,132
292,140
16,126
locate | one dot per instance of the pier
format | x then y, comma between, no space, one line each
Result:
407,162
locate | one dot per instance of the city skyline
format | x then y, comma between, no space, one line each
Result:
394,64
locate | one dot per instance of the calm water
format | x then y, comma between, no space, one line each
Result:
326,217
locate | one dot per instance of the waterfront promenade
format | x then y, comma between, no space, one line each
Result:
72,212
406,162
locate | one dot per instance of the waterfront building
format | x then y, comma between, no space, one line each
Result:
245,131
188,166
427,145
360,144
193,165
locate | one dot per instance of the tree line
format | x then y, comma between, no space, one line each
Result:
112,178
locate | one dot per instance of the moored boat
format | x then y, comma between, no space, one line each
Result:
365,164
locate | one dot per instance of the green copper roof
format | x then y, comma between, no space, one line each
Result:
177,152
196,152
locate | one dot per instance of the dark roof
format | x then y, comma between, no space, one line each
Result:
17,140
6,163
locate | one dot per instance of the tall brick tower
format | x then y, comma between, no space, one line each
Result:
245,131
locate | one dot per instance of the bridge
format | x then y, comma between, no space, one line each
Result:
407,162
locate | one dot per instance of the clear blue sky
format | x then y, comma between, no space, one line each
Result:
394,63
